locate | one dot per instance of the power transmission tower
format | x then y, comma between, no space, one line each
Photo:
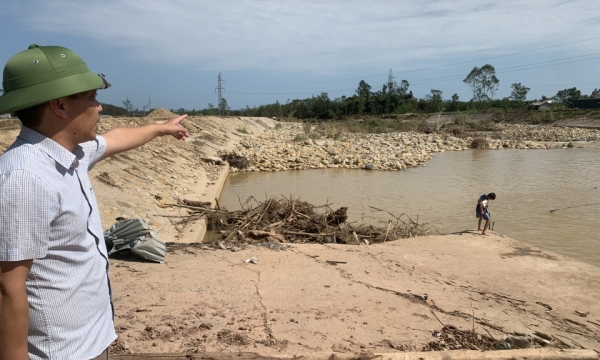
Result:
219,91
390,83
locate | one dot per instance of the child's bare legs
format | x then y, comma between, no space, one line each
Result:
479,225
485,227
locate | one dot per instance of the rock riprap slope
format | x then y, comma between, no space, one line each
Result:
289,148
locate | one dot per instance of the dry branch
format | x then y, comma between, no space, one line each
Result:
299,222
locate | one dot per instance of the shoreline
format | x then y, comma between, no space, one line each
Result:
296,147
210,300
147,182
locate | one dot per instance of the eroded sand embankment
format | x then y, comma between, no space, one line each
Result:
140,183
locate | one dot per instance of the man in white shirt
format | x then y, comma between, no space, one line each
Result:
55,295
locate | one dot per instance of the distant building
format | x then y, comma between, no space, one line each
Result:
593,103
542,105
5,116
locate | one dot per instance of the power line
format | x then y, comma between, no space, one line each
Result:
474,36
187,97
390,83
503,71
537,86
430,67
444,78
220,95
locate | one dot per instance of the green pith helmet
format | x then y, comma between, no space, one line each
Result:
43,73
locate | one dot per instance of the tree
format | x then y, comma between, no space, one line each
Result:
455,98
402,90
567,95
435,99
128,105
112,110
436,95
363,89
223,107
595,93
519,92
483,82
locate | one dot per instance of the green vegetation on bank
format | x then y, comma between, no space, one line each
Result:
394,99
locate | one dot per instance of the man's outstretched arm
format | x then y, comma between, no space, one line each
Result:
123,139
14,310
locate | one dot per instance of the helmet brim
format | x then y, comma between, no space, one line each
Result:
27,97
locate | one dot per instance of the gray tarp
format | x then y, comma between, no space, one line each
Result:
137,236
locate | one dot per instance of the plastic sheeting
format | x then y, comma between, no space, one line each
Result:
137,236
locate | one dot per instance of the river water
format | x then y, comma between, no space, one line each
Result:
528,184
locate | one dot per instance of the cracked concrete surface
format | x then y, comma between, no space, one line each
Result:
385,297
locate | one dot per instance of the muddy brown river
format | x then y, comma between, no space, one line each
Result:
528,184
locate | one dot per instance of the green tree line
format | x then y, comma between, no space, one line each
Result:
391,98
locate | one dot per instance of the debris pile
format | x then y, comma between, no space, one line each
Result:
237,161
452,338
479,143
280,220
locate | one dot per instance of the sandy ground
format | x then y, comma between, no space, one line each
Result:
293,301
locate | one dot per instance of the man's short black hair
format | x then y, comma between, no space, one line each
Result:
32,117
492,196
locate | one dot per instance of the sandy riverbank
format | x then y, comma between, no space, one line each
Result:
379,298
143,182
140,183
292,301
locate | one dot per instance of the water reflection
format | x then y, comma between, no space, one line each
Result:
529,183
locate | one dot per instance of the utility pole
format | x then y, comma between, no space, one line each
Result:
149,108
219,91
390,83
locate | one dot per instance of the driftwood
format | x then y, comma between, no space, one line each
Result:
295,221
203,204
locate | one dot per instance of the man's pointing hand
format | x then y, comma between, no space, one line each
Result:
174,127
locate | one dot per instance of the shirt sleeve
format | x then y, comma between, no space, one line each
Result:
28,205
94,150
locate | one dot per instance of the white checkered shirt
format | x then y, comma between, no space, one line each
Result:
48,213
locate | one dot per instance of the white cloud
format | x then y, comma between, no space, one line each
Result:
316,36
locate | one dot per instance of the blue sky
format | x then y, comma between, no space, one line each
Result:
267,50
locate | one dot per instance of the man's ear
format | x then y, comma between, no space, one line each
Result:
58,106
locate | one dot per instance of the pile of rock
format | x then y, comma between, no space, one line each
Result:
547,133
289,147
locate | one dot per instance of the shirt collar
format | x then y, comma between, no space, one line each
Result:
67,159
